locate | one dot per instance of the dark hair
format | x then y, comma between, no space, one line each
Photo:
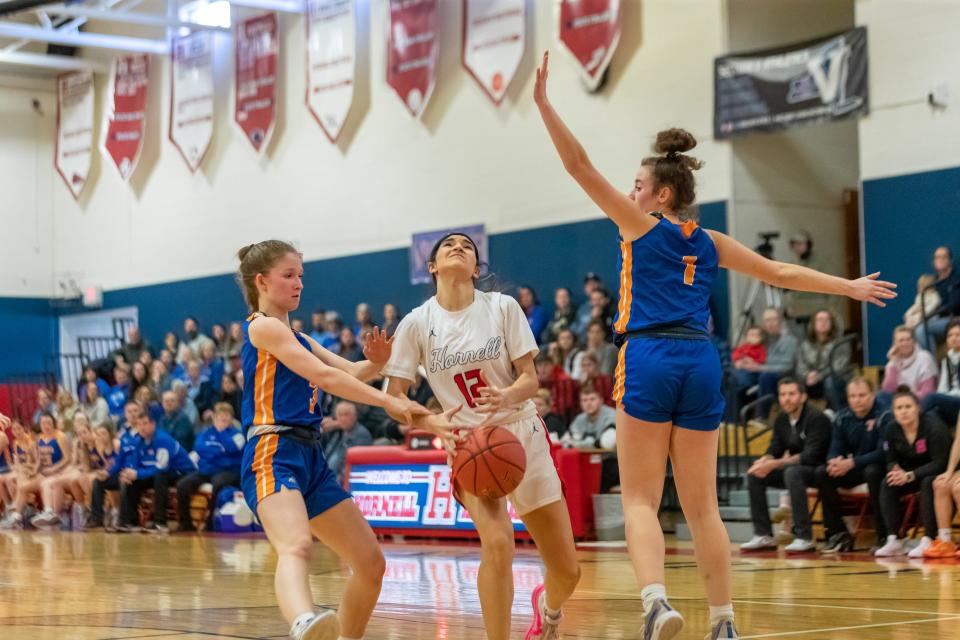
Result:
533,293
597,323
486,282
812,331
674,169
784,381
46,414
259,258
954,322
588,388
903,391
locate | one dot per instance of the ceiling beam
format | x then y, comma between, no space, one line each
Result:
47,61
286,6
84,39
129,17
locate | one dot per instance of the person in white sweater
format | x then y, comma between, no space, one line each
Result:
946,399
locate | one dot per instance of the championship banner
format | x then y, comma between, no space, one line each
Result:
125,112
191,96
820,80
413,47
255,103
422,245
590,30
494,32
74,129
331,56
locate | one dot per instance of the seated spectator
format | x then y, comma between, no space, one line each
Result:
821,364
908,365
348,348
134,346
159,378
119,392
564,316
948,288
925,304
334,329
168,359
219,450
232,344
602,310
90,375
536,315
95,407
157,462
548,369
595,426
855,457
946,400
364,319
211,366
139,376
146,359
67,408
916,448
175,421
391,319
340,433
45,404
24,461
54,488
605,353
781,359
187,405
108,478
752,349
193,339
946,494
54,453
317,324
297,325
801,439
567,352
230,393
218,333
543,400
149,401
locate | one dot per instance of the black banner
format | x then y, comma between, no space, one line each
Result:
819,80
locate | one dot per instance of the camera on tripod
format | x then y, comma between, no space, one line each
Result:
765,248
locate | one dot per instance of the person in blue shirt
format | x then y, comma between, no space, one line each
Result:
108,479
536,315
119,393
175,422
219,450
157,462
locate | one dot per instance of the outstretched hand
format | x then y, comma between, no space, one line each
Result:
540,86
870,289
376,346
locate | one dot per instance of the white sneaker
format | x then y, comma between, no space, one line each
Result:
799,545
917,551
758,543
46,520
322,626
891,548
13,521
662,622
723,630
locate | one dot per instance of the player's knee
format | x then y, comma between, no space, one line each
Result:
299,546
568,573
941,486
956,490
499,548
370,565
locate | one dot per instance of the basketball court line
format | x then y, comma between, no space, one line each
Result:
849,628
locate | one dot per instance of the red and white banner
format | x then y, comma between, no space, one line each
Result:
74,129
493,40
331,56
125,112
590,30
255,105
413,48
191,96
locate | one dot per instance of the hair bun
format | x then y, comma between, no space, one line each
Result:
244,251
674,141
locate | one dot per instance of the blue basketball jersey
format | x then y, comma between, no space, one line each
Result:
666,277
51,451
272,394
101,460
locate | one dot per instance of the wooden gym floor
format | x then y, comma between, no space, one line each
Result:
100,586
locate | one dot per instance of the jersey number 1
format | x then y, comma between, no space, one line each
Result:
690,269
468,383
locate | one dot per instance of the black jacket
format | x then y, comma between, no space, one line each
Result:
810,437
859,437
928,454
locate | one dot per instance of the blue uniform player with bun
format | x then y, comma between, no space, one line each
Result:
667,385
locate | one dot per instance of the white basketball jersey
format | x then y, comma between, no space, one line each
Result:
464,350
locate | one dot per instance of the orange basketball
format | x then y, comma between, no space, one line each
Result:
490,462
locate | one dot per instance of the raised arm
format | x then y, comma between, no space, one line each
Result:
736,257
614,203
376,350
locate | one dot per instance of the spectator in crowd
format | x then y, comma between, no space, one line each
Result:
801,305
232,343
536,315
127,421
45,404
67,408
946,494
925,304
54,454
134,346
800,441
781,358
564,315
585,311
364,319
602,310
548,369
168,359
331,337
95,407
230,393
139,376
147,399
391,319
916,448
823,365
218,333
946,401
589,369
297,325
605,352
175,421
948,288
171,342
752,348
119,392
193,338
109,478
55,487
317,319
187,404
567,353
908,365
543,400
159,380
589,429
855,457
25,469
211,365
158,462
219,450
88,375
340,433
348,348
146,358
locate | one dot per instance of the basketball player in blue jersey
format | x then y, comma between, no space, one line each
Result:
667,385
284,476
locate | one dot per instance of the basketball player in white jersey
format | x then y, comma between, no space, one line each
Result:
478,350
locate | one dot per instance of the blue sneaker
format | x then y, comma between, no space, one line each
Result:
723,630
662,622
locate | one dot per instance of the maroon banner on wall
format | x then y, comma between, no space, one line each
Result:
413,48
255,104
125,113
590,30
494,33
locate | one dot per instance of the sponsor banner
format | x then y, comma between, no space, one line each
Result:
255,103
422,245
75,122
126,107
815,81
413,47
493,39
331,57
590,30
411,496
191,96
